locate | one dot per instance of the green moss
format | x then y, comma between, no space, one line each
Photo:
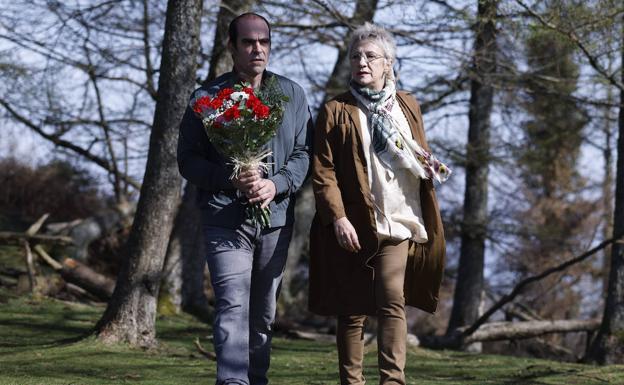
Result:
47,342
12,257
165,306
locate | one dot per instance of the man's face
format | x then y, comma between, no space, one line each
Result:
253,46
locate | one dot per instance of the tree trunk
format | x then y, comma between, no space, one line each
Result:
131,313
221,60
194,299
469,283
304,210
298,249
170,295
338,81
608,347
607,193
183,282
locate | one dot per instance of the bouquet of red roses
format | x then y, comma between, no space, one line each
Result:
239,122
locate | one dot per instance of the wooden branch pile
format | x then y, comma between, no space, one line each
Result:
77,275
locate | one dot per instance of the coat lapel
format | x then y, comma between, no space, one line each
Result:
353,112
352,109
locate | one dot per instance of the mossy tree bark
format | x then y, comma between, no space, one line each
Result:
183,279
131,313
183,282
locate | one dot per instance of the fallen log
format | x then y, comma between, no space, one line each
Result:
501,331
462,337
81,275
497,331
310,336
12,272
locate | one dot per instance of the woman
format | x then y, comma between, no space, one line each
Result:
377,241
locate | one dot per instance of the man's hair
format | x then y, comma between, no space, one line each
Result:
233,27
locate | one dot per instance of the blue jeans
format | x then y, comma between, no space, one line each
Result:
246,267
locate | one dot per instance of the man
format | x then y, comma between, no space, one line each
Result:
245,261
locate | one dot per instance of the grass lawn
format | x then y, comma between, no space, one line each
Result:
40,343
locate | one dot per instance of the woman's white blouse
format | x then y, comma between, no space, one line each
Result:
395,193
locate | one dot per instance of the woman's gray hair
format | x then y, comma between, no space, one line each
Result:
377,35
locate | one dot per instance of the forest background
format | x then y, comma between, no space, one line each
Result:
523,99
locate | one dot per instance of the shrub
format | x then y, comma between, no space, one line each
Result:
58,187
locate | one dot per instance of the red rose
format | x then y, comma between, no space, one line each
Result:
204,101
252,102
201,104
216,103
225,93
231,113
249,91
261,111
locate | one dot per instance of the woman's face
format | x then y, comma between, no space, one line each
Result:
369,65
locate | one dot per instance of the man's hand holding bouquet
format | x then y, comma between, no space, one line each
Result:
239,123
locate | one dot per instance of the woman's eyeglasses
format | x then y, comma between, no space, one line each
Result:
368,57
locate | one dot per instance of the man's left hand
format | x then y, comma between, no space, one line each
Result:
263,191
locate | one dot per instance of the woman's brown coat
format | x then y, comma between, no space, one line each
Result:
341,282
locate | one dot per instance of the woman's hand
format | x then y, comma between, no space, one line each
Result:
346,235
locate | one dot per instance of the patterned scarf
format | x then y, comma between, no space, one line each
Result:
393,148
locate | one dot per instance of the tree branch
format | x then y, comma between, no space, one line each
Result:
103,163
13,238
593,61
522,284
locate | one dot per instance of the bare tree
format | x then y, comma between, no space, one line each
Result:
304,210
183,278
556,219
131,313
469,285
86,54
608,347
220,59
340,75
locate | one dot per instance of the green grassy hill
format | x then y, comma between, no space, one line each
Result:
40,343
